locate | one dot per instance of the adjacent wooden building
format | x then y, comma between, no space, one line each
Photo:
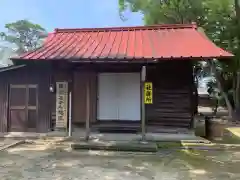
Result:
94,75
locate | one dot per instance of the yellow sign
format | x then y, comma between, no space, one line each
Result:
148,93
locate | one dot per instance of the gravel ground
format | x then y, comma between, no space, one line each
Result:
6,142
48,162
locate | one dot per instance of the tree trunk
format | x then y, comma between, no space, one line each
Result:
225,96
237,9
237,91
234,88
220,87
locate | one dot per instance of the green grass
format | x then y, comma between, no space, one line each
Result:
117,147
169,145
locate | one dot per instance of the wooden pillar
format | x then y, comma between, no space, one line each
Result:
143,121
87,110
70,114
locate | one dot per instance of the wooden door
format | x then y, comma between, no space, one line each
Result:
23,108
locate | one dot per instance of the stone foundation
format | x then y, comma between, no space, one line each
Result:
215,128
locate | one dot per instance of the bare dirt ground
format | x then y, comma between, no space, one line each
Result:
47,161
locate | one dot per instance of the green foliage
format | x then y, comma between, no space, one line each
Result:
24,35
219,20
216,18
165,11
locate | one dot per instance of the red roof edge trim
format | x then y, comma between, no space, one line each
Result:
137,60
131,28
203,35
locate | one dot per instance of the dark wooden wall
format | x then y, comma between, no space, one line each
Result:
172,91
60,72
3,103
84,74
31,74
78,77
172,94
83,81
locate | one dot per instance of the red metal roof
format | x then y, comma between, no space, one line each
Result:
144,42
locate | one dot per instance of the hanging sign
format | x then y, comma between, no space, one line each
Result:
61,104
148,94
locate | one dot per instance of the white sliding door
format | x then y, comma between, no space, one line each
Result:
107,97
129,96
119,96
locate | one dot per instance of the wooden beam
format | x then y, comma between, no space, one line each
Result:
87,110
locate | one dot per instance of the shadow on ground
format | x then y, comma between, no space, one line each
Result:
49,161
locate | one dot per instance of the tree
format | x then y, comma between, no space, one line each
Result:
5,53
165,11
217,19
24,35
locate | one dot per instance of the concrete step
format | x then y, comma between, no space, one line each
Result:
118,146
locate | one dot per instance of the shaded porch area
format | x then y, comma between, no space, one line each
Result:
133,127
111,102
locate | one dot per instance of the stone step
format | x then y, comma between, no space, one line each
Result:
118,130
132,147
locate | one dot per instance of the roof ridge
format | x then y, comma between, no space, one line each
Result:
128,28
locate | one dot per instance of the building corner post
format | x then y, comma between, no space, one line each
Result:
70,114
87,135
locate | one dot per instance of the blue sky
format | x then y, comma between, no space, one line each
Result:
52,14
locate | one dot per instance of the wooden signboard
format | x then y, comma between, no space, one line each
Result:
61,104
